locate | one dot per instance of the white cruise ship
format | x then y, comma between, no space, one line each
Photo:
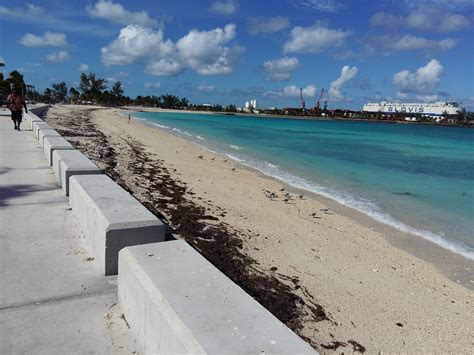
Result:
431,109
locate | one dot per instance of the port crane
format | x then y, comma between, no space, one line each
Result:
302,103
316,107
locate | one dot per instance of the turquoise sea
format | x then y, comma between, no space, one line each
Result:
419,179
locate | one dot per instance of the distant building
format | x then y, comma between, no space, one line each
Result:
250,106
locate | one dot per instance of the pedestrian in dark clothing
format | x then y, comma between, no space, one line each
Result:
16,103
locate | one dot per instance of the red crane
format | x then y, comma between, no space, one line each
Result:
316,107
302,100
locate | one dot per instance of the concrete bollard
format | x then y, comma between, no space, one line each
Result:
50,144
111,218
67,163
47,132
40,125
177,302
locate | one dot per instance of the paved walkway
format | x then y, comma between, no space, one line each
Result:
52,300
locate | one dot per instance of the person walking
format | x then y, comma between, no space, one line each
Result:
16,103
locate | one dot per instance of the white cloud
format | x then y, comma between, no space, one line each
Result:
347,73
203,51
401,95
427,98
390,44
64,22
257,25
224,7
206,88
83,67
152,85
28,11
293,91
424,81
314,39
164,67
323,5
136,43
48,39
3,61
409,43
280,69
57,57
425,18
116,13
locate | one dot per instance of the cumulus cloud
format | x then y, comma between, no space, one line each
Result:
224,7
83,67
48,39
206,52
152,85
136,43
424,81
262,25
163,67
347,73
206,88
293,91
116,13
280,69
314,39
423,18
57,57
323,5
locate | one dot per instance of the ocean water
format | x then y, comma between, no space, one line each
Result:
419,179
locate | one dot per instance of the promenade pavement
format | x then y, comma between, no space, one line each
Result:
53,299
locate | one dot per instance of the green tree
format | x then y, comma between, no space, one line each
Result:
92,87
60,91
74,95
117,89
16,79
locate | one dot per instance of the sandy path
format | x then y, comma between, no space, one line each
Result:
373,293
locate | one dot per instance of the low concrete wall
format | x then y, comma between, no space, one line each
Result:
175,301
47,132
67,163
39,125
50,144
111,218
32,119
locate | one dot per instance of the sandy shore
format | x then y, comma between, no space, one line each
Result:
373,291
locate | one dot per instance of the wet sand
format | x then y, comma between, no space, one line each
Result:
340,280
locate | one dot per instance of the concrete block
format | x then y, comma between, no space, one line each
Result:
177,302
67,163
40,125
34,120
47,132
111,218
50,144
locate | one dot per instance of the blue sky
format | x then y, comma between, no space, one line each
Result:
231,51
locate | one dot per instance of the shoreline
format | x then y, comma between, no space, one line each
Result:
264,115
376,292
416,244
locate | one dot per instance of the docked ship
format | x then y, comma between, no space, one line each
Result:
430,109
